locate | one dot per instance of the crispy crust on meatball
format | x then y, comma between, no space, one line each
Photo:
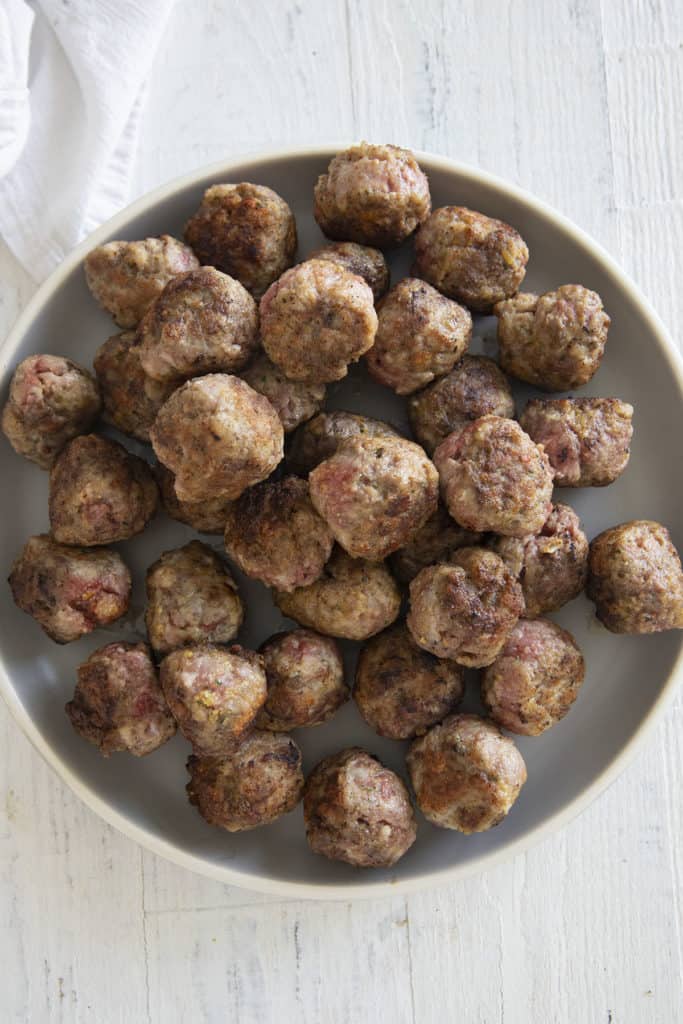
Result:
207,516
305,674
293,400
131,399
435,541
320,438
361,260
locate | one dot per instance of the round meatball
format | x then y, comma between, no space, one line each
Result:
465,773
555,342
374,494
218,436
635,578
550,566
126,277
99,493
207,516
358,811
375,195
402,690
434,542
535,679
316,319
293,400
353,599
215,694
321,437
465,610
305,674
69,591
245,230
586,439
473,259
475,387
361,260
191,599
131,399
493,477
256,784
276,536
203,322
51,400
420,335
118,703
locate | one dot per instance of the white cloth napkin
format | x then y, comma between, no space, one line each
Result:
69,117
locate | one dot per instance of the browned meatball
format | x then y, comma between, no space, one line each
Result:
375,493
375,195
353,599
126,277
294,401
69,591
362,260
535,679
51,400
191,599
473,259
321,437
550,566
131,398
203,322
434,542
555,341
118,703
493,477
245,230
305,674
215,694
586,439
475,387
206,516
358,811
218,436
276,536
316,319
256,784
635,578
465,773
402,690
466,609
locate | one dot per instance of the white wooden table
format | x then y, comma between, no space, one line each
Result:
580,102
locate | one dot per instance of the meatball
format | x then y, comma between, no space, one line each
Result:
465,610
51,400
475,387
375,493
256,784
361,260
535,679
218,436
131,399
191,599
420,335
358,811
214,693
245,230
203,322
586,439
550,566
555,342
473,259
375,195
293,400
69,591
316,319
207,516
321,437
126,277
305,674
493,477
434,542
353,599
635,578
402,690
118,703
465,773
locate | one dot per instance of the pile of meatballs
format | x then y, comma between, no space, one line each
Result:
440,553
